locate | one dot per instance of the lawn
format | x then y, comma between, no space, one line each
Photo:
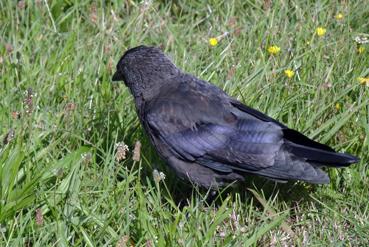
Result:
69,172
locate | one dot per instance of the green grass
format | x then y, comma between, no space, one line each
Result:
60,182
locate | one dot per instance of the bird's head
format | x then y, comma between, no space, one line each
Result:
144,70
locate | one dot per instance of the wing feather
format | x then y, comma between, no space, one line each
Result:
214,141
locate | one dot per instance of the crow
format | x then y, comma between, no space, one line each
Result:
210,138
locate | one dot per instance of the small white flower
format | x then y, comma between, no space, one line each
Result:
121,152
158,176
361,39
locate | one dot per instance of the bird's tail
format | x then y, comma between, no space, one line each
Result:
322,157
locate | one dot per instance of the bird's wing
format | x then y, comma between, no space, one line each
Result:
198,125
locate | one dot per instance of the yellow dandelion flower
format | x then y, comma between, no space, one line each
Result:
320,31
289,73
339,16
338,106
361,49
213,41
363,81
274,50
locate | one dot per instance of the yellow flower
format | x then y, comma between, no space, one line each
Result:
320,31
339,16
361,49
213,41
274,50
289,73
338,106
363,81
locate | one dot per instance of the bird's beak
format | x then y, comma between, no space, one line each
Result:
117,76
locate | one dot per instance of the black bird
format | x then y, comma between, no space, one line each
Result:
210,138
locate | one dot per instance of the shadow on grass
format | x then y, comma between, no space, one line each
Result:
291,192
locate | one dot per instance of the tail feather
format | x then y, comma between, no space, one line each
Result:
322,157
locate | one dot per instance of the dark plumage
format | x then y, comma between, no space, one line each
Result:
208,137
